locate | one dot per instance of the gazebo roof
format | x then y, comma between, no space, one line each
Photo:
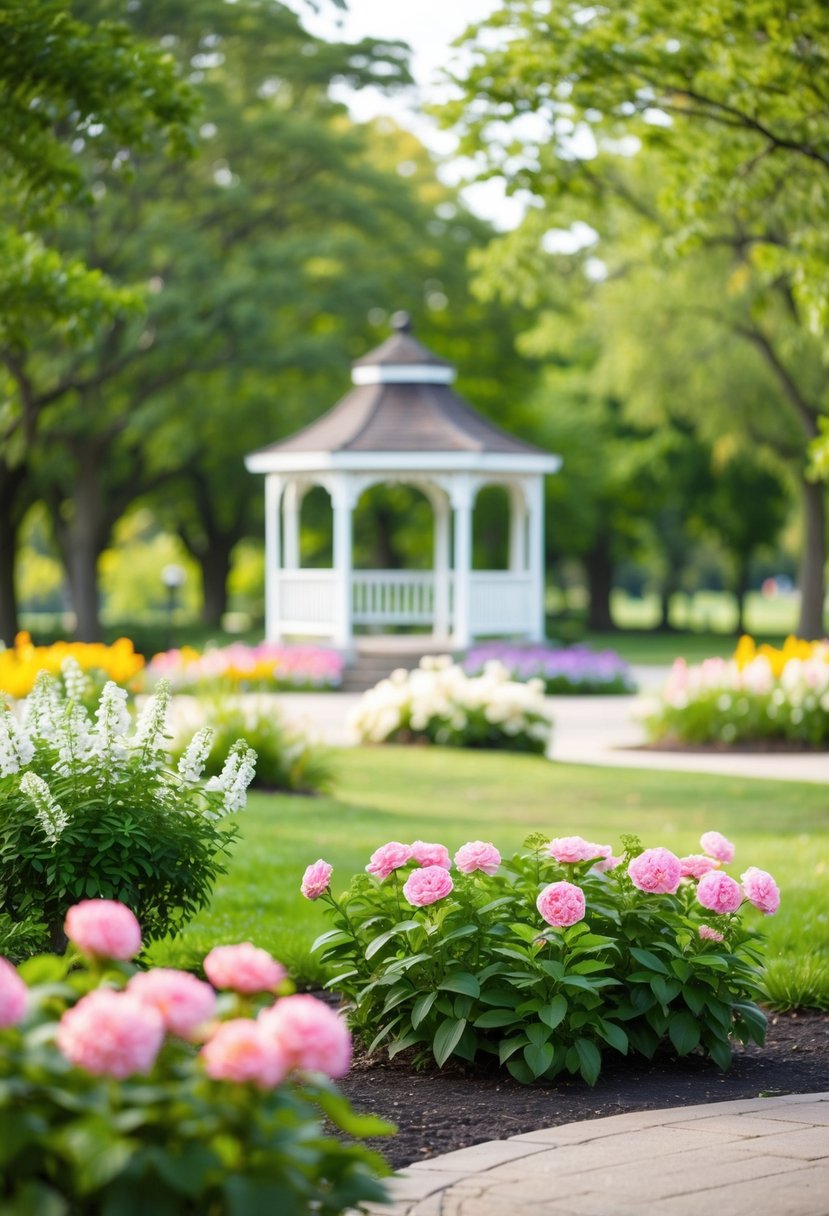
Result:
401,405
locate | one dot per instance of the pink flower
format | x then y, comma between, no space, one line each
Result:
656,871
244,968
312,1035
103,928
709,935
427,886
184,1002
607,863
431,854
111,1034
695,865
388,858
14,995
561,904
241,1050
761,890
316,879
717,846
570,849
719,893
477,855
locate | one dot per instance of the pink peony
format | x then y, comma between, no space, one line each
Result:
431,854
709,935
427,886
719,893
761,890
561,904
607,863
570,849
184,1002
241,1050
388,858
14,995
477,855
716,845
103,928
244,968
312,1035
656,871
695,865
316,879
111,1034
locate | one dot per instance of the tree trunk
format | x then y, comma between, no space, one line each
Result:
812,579
741,587
82,540
215,568
599,567
8,556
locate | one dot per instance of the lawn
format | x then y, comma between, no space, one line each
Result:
453,796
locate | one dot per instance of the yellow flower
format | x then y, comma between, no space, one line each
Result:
21,663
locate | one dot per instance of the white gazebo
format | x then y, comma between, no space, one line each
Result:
401,422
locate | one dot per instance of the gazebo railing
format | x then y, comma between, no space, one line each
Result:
501,601
307,601
393,597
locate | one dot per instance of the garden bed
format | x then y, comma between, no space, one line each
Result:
438,1111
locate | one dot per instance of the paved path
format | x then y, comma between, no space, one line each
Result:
758,1157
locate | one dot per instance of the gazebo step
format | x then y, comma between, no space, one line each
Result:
369,667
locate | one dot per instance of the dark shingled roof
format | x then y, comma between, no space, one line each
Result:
401,348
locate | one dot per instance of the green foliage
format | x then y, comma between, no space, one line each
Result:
478,973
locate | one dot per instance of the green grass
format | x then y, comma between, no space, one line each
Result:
454,796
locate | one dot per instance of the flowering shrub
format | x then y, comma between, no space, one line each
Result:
21,664
563,669
267,667
95,808
439,703
549,959
760,693
218,1103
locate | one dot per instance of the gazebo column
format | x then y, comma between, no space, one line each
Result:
291,504
462,503
273,492
342,501
440,562
538,627
517,529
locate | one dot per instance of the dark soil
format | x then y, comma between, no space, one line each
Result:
438,1111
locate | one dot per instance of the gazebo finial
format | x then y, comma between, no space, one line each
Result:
402,322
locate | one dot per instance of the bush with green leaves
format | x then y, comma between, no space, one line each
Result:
97,808
550,959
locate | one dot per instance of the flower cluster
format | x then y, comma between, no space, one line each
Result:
204,1078
21,664
267,667
760,693
563,669
439,703
548,958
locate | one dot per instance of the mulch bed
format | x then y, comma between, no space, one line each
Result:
438,1111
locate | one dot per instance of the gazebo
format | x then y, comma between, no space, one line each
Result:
402,422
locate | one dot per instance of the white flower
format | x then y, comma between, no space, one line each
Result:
191,764
16,748
76,682
43,708
151,728
112,723
235,777
50,814
73,739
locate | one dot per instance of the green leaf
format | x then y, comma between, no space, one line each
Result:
461,981
332,937
684,1032
720,1053
694,998
649,960
520,1070
446,1039
552,1013
421,1007
665,989
590,1060
614,1035
539,1057
508,1047
342,1115
492,1019
379,942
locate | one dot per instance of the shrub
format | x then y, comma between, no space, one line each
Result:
95,809
21,664
124,1091
761,693
550,959
268,667
439,703
563,669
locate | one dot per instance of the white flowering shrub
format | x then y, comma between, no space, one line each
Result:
95,807
439,703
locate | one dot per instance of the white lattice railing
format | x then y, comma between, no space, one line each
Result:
393,597
500,601
307,600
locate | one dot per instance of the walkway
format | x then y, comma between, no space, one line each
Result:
758,1157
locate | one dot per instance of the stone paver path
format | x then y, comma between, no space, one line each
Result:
757,1157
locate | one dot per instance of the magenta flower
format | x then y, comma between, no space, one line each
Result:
184,1002
570,849
313,1036
717,846
388,858
695,865
14,995
426,854
561,904
761,890
244,968
241,1051
111,1034
477,855
709,935
427,886
316,880
719,893
656,871
103,928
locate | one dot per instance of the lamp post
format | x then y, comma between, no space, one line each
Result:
172,577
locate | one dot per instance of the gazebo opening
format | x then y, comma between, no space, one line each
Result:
393,528
491,529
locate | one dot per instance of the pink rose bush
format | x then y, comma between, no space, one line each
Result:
103,1047
551,957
